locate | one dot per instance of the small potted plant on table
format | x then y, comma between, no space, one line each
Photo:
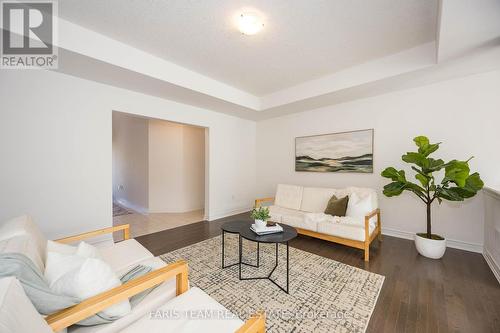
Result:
260,215
457,184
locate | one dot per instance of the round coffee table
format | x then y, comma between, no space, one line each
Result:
234,227
243,229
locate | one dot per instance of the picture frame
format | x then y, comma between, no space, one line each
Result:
342,152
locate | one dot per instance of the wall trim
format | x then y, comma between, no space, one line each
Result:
456,244
492,192
494,266
226,213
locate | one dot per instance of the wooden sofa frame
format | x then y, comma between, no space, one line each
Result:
345,241
67,317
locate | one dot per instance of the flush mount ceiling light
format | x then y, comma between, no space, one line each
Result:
250,23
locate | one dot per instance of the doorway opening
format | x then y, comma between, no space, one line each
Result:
159,173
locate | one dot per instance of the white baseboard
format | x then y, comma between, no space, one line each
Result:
456,244
129,205
226,213
494,266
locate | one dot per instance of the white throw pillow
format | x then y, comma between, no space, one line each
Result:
60,248
358,207
88,251
63,258
83,278
78,271
59,264
83,249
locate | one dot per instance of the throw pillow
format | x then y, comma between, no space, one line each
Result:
87,278
60,248
59,264
337,207
63,258
358,206
88,251
83,249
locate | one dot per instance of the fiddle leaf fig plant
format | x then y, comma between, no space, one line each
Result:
457,184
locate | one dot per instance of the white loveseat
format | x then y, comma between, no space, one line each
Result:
303,208
17,313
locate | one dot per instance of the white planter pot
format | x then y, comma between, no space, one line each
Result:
260,223
430,248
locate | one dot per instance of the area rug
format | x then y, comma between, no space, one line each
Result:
325,295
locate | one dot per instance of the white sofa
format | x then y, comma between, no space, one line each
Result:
303,208
17,313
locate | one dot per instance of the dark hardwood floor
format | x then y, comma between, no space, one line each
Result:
458,293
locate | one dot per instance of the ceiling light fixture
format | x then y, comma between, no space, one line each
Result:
250,23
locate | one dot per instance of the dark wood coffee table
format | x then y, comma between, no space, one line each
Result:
242,228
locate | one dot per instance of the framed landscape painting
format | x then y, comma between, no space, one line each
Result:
336,152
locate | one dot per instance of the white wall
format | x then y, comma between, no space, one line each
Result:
194,167
130,161
56,150
176,167
464,114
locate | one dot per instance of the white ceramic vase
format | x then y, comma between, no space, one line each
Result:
430,248
260,223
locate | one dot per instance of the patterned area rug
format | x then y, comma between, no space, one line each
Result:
325,295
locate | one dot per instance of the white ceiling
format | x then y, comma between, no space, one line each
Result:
302,39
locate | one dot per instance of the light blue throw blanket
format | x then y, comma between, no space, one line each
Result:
44,299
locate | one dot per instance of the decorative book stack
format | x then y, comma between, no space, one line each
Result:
266,230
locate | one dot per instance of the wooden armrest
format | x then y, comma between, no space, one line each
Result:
258,202
372,214
92,305
85,235
256,324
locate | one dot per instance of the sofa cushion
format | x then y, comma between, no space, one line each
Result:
124,254
291,217
22,244
17,314
23,225
288,196
315,199
156,298
337,207
194,312
345,227
276,213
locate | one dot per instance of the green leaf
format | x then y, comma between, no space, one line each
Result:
394,189
421,141
448,194
415,188
394,174
429,149
474,182
425,148
422,179
462,192
416,158
456,172
434,165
